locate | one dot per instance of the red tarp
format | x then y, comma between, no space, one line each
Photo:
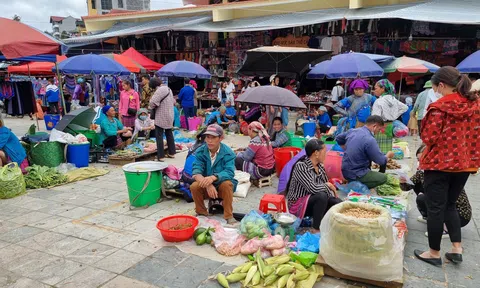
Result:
35,68
142,60
20,40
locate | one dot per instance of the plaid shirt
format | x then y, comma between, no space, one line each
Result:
164,110
147,93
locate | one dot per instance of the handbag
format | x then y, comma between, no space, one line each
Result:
131,111
153,111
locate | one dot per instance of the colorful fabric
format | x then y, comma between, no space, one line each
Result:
280,138
128,121
385,138
299,207
257,127
147,93
387,85
358,83
110,127
357,109
163,102
10,144
252,169
450,131
52,92
260,153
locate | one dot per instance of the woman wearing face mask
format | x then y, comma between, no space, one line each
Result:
450,130
356,108
143,124
308,191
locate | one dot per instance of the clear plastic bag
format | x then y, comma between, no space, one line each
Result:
354,186
308,242
12,183
307,259
253,225
361,247
227,241
399,129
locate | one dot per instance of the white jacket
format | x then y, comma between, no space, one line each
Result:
389,108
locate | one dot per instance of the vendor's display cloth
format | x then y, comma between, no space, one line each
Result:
84,173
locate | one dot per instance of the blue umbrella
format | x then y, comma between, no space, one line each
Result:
471,64
185,69
348,65
91,64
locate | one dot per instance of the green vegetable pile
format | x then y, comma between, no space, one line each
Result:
202,236
12,183
391,188
42,177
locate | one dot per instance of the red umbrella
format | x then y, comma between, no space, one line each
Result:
35,68
20,40
142,60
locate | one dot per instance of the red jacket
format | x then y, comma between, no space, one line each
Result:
451,131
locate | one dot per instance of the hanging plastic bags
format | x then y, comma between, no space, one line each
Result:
399,129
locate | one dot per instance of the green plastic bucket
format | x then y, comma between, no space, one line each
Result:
144,182
298,142
335,119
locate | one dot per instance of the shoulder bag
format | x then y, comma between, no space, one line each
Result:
131,111
153,111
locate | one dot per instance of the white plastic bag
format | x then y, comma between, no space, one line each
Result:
244,184
227,241
361,247
62,137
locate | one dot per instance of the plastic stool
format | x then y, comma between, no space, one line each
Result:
277,200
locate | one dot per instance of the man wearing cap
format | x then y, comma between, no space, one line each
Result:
420,102
337,92
324,121
213,172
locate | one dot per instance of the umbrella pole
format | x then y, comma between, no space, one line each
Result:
64,107
36,114
400,89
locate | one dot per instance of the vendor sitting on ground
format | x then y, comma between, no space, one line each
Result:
219,117
231,112
323,120
114,134
143,124
308,192
257,159
280,136
10,148
361,149
213,172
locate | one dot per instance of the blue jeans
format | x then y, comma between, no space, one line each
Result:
189,112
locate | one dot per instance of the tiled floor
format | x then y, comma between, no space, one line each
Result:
85,235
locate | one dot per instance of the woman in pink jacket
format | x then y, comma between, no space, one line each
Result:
129,105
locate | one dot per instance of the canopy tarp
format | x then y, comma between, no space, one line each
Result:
142,59
35,68
19,40
126,62
38,58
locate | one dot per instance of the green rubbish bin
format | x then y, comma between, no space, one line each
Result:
144,182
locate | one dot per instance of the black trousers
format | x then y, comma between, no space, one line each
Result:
170,142
422,207
323,128
442,190
318,204
419,123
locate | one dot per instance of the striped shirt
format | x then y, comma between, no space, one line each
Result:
305,180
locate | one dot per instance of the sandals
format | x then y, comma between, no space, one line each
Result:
432,261
170,156
455,258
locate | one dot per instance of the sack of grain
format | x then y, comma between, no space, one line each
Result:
357,240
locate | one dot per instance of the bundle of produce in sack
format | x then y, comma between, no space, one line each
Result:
275,245
253,225
277,271
357,240
12,182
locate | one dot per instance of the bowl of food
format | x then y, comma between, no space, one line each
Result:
177,228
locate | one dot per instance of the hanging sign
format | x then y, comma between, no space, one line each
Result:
291,41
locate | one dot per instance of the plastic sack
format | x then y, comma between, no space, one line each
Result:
398,153
253,225
391,188
308,242
361,247
80,138
352,186
227,241
64,168
170,183
243,185
12,183
401,176
251,246
62,137
399,129
307,259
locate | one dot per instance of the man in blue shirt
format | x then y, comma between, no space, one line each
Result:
52,92
323,119
218,117
230,113
361,149
186,98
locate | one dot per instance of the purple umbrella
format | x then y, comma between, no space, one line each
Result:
471,64
271,95
185,69
348,65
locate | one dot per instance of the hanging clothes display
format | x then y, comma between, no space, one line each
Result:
20,98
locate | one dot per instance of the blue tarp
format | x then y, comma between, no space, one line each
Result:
39,58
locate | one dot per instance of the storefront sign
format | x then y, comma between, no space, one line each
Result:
291,41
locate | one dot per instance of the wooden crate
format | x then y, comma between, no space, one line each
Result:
329,271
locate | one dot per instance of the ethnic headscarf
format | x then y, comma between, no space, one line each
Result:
387,85
358,83
257,127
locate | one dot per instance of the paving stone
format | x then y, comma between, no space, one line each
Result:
120,221
51,222
8,278
32,203
171,254
77,213
470,232
66,246
416,236
141,213
151,270
57,271
118,240
101,204
11,211
56,208
142,226
4,244
100,216
125,282
71,228
42,241
122,207
88,278
418,268
6,226
415,282
94,233
101,193
44,193
91,253
30,218
142,247
26,283
20,233
190,273
11,253
119,196
119,261
80,200
30,263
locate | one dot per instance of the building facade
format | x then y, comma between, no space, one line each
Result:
66,26
101,7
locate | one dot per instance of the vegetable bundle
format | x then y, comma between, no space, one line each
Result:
42,177
11,181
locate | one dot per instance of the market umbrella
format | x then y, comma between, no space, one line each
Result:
471,64
91,64
348,65
185,69
271,95
36,68
18,40
126,62
282,61
77,120
142,59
